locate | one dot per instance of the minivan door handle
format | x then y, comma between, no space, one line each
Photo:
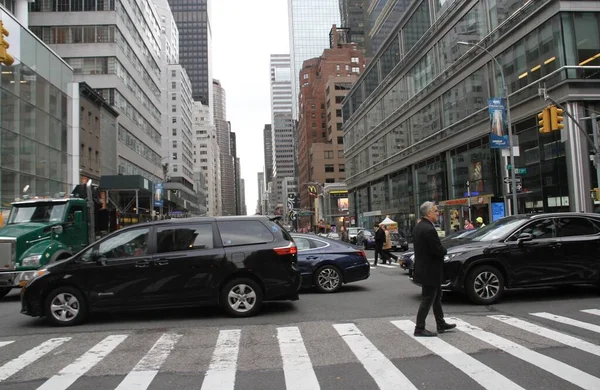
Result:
161,262
142,263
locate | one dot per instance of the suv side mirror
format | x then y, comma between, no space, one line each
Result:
524,237
78,217
98,258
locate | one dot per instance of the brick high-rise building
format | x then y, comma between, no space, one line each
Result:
324,81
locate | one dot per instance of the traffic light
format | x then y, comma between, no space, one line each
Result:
595,194
5,58
544,120
556,118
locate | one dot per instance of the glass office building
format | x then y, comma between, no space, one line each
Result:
416,125
36,135
309,24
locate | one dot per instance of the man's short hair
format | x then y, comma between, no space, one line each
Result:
426,207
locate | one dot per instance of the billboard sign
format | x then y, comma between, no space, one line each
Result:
498,123
158,195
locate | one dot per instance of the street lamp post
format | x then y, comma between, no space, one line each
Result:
510,136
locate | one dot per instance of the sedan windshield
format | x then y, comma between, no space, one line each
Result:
497,230
37,212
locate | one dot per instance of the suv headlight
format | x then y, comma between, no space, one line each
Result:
451,256
31,261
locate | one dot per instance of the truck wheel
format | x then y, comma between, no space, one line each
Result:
65,306
241,297
4,291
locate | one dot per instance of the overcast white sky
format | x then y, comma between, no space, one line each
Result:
245,33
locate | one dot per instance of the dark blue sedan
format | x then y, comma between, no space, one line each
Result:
327,264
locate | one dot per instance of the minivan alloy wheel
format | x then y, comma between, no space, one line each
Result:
65,307
486,285
242,298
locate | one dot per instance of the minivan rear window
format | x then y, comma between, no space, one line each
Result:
234,233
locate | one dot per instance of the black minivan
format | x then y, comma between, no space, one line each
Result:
236,262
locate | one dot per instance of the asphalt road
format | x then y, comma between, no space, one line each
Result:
359,338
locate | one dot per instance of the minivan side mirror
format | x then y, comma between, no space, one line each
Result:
524,237
78,217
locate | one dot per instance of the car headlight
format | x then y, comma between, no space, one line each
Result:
31,261
451,256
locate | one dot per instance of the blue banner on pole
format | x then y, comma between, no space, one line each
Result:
498,125
158,195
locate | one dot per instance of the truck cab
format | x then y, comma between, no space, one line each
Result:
43,230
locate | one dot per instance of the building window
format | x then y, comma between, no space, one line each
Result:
173,73
305,76
174,143
174,156
173,84
329,168
355,69
174,120
173,96
341,168
329,181
337,67
174,131
328,154
354,60
340,140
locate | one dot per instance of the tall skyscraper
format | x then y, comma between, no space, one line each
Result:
282,122
309,25
195,45
354,16
120,59
268,150
207,157
223,128
260,176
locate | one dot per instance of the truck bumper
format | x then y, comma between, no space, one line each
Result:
15,279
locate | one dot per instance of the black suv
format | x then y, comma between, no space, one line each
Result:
533,250
237,262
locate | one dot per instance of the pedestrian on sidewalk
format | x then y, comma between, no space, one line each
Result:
379,241
429,270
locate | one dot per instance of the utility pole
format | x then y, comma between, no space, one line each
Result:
469,198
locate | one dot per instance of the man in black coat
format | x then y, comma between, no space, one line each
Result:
429,270
379,241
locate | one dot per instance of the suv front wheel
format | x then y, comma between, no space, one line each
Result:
485,285
241,297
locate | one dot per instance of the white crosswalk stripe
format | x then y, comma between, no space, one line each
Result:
219,359
595,312
568,321
297,368
15,365
551,334
553,366
223,366
383,371
144,372
68,375
476,370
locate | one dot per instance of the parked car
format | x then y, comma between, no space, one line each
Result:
352,232
399,242
334,236
535,250
237,262
365,239
327,264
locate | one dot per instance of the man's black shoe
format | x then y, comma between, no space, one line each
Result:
424,333
445,327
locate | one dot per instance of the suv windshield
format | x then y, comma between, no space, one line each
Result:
37,212
497,230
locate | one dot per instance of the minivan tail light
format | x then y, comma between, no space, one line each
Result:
290,249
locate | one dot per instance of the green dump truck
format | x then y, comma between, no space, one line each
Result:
40,231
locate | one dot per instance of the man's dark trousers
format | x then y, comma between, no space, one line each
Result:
430,296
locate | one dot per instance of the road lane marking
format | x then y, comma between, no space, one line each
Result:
297,367
223,365
553,366
551,334
15,365
595,312
382,370
68,375
568,321
479,372
146,369
3,343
